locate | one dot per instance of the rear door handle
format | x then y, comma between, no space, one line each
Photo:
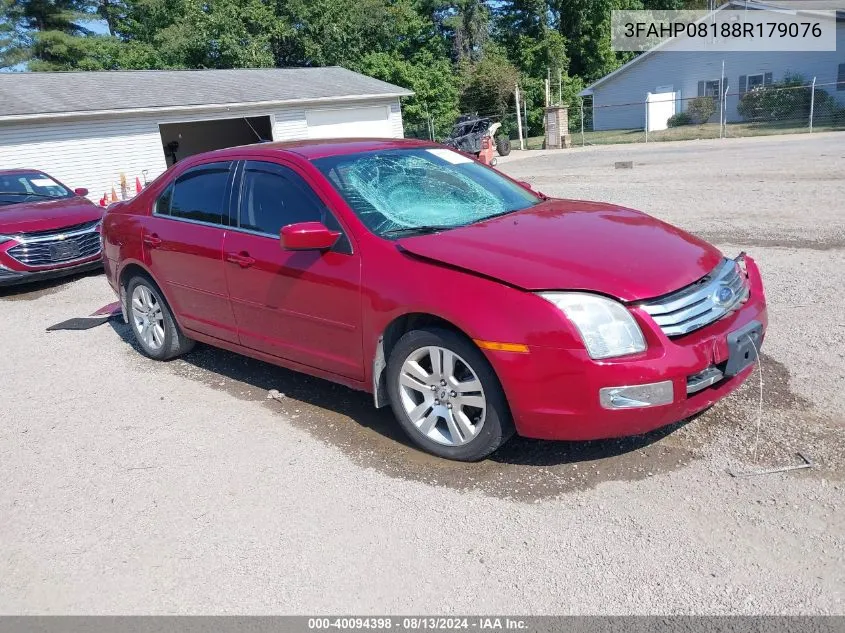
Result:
152,240
242,259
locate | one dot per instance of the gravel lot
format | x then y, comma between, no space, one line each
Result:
137,487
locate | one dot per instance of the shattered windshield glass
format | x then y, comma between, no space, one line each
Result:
396,190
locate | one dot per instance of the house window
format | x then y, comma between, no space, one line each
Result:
755,81
840,81
711,88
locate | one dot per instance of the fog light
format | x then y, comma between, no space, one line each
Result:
637,396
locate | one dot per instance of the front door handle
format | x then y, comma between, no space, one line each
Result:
242,259
152,240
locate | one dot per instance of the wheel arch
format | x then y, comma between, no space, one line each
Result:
391,334
133,269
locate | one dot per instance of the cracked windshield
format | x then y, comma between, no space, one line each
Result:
403,191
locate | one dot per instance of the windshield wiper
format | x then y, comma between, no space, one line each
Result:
24,193
422,230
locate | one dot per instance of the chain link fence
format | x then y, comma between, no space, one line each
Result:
792,105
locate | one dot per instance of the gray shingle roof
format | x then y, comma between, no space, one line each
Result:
88,92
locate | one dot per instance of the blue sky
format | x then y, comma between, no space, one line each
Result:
98,26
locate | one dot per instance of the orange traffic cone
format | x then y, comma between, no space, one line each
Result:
113,193
137,185
104,201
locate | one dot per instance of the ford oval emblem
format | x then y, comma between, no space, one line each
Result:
724,296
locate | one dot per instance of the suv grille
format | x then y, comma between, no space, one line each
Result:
705,301
45,248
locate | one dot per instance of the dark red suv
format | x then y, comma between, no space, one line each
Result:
471,304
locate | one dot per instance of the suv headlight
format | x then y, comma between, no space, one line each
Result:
607,328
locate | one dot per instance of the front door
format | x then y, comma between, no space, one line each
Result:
303,306
183,247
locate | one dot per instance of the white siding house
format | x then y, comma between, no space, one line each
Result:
618,99
87,129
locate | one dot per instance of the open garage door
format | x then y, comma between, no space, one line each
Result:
368,121
181,140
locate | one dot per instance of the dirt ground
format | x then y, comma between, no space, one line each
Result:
131,486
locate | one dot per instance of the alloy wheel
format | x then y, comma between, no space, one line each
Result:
442,396
147,317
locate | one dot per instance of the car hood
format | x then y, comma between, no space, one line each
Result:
574,245
47,215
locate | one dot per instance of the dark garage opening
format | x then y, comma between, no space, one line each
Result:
181,140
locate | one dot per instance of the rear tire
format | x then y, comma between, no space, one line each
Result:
503,145
152,322
446,396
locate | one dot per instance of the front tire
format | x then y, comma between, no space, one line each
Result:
152,322
446,396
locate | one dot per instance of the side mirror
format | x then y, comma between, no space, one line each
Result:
308,236
81,191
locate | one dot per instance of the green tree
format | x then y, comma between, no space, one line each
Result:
24,22
434,84
58,51
343,32
488,85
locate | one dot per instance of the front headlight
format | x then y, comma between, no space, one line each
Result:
5,238
607,328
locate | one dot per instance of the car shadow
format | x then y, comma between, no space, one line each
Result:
32,290
252,379
328,403
529,452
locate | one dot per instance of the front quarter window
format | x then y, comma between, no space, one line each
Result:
406,189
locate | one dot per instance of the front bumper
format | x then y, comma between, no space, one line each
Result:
555,393
14,271
10,277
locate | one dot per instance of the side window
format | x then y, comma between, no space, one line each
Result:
198,194
274,196
162,206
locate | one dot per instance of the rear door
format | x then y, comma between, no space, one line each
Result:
183,246
304,306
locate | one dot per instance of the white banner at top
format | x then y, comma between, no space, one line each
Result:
724,30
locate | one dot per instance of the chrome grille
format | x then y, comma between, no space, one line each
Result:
700,304
47,248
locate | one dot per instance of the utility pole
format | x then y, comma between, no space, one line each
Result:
722,97
582,121
525,114
518,117
812,104
559,87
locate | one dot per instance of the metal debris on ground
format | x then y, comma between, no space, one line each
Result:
807,463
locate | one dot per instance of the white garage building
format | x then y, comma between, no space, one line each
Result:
89,128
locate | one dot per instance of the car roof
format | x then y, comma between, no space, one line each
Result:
311,149
11,172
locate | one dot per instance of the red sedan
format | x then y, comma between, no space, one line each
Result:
46,230
472,305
